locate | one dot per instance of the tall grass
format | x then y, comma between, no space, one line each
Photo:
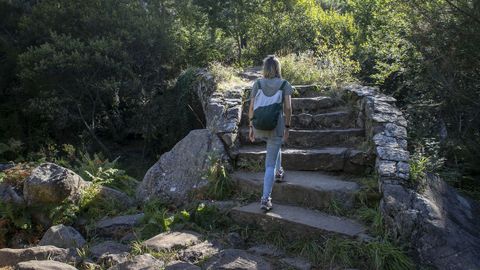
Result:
329,69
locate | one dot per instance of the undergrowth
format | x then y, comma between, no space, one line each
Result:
329,68
91,203
220,184
225,76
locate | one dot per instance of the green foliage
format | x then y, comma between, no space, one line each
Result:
249,165
156,219
209,218
220,184
100,170
335,207
385,255
373,218
337,252
332,69
418,167
18,215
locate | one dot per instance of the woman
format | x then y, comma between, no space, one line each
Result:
265,91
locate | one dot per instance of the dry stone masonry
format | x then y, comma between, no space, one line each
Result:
441,226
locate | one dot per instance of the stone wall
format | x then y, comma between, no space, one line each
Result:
441,226
222,107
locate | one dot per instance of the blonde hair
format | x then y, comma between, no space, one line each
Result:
271,67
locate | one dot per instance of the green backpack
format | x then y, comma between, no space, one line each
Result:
267,109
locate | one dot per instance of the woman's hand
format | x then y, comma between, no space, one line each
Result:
285,134
251,136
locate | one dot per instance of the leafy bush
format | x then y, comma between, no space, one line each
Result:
418,167
331,69
100,170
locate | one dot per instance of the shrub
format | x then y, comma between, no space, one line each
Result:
220,184
332,68
225,76
100,170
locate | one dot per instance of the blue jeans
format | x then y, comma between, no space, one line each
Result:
273,163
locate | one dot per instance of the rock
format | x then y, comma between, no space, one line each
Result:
111,259
179,265
441,225
129,237
171,178
52,184
266,250
297,263
107,247
113,194
6,165
382,140
170,240
394,154
198,252
222,206
236,259
9,195
10,256
140,262
117,227
43,265
62,236
387,168
235,240
89,265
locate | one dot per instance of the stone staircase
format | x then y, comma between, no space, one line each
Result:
322,156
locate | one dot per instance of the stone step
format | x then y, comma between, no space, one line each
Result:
308,90
319,104
313,105
331,120
302,188
316,138
297,222
322,159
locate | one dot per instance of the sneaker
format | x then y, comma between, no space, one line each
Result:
280,175
266,204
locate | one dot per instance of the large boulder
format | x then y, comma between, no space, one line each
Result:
182,169
62,236
442,226
10,256
52,184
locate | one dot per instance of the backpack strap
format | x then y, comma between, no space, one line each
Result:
281,88
283,85
259,85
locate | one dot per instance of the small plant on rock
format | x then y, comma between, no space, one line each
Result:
220,184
